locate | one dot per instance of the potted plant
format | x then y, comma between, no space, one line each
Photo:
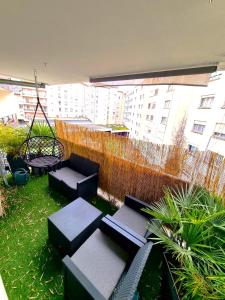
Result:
41,129
190,223
10,141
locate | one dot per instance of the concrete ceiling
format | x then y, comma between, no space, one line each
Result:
72,40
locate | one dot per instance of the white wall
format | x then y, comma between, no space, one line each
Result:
211,116
8,104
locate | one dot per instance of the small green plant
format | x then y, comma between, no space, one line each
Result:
191,225
11,139
41,129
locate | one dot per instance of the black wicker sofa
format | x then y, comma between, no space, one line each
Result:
76,177
131,218
107,266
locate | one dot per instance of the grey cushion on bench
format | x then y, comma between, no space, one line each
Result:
102,261
131,215
97,267
76,177
103,269
69,176
132,219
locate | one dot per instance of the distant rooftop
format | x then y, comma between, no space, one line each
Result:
78,121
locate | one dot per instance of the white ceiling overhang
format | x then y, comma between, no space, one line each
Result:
73,40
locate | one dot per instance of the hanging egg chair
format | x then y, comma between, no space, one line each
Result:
41,152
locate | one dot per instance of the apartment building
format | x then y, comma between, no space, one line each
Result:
154,113
206,118
115,109
65,101
100,105
8,107
104,105
26,99
97,104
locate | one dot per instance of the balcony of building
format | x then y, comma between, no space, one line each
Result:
111,44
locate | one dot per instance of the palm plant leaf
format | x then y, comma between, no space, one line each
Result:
191,225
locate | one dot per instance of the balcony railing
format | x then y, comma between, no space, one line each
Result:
142,168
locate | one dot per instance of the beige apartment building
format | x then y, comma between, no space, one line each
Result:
154,113
98,104
65,101
8,107
115,109
206,118
25,99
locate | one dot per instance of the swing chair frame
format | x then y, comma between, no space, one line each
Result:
41,153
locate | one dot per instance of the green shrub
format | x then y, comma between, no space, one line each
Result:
41,129
191,225
11,139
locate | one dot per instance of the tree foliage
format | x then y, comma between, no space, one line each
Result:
11,139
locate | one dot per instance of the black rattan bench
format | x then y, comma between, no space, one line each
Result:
107,266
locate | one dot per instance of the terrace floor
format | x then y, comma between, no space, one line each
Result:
29,265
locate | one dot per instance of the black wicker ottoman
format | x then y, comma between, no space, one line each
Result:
69,227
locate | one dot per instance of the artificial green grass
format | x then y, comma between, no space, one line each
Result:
117,127
29,265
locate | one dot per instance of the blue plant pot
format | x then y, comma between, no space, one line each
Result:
21,176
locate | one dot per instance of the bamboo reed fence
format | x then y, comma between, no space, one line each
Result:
140,168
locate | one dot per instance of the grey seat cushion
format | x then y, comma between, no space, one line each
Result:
69,176
132,219
102,261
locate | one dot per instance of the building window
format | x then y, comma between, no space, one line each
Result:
206,101
170,88
199,127
149,117
167,104
219,131
192,148
149,131
156,92
215,76
153,105
164,120
149,105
